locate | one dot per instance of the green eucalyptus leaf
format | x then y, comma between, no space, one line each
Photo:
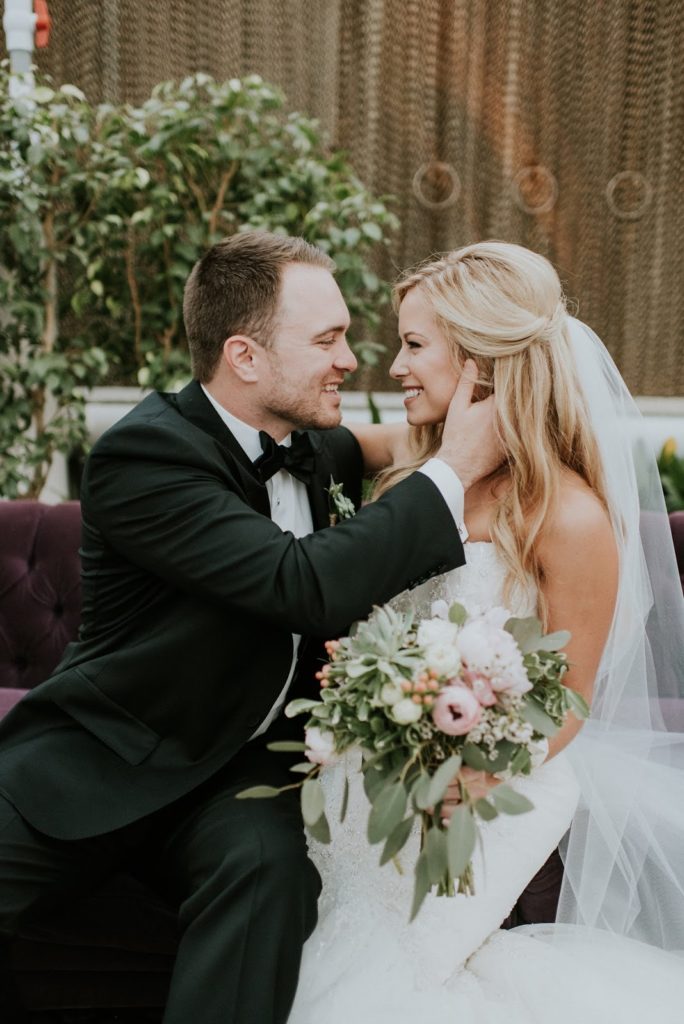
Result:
486,810
461,837
320,829
286,746
435,848
396,840
508,801
538,718
313,801
526,632
257,792
443,777
421,885
457,614
387,811
577,703
554,641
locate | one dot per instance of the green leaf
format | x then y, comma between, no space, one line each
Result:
373,231
554,641
508,801
538,718
526,632
304,767
313,801
521,762
257,792
286,746
387,811
442,778
457,614
436,853
461,836
420,791
486,810
422,884
397,839
299,706
320,830
577,703
345,800
476,758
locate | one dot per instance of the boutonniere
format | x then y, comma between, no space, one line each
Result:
340,506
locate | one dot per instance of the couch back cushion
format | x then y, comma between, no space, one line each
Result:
677,527
40,588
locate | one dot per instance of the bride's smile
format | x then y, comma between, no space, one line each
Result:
424,366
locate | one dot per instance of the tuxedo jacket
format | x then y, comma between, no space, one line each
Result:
190,598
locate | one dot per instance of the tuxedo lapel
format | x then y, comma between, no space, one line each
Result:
316,490
194,406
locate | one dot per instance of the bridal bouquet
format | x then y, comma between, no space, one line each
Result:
421,699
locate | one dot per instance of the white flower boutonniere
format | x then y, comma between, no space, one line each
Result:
341,507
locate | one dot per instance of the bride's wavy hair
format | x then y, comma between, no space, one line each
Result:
503,306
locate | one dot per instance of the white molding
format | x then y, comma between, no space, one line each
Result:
663,416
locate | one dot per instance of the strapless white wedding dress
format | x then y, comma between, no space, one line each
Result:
365,964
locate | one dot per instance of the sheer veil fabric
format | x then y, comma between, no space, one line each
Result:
624,856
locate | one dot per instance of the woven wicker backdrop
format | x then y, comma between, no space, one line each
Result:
555,123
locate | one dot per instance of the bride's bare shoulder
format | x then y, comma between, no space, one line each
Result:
578,525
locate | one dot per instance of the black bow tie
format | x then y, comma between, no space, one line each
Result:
298,459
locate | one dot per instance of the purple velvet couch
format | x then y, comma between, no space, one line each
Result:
113,949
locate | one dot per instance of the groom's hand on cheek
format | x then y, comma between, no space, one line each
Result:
470,444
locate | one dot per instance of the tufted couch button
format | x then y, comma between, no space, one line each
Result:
21,663
58,609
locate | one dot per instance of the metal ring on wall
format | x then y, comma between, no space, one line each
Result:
633,179
533,179
440,168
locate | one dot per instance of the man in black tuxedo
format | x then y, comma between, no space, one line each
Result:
208,575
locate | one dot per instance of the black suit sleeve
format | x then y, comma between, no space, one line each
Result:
174,511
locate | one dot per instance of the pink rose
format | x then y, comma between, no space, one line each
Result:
456,710
481,687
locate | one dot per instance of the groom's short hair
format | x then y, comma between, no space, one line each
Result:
234,289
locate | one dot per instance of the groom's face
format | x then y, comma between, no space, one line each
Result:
309,355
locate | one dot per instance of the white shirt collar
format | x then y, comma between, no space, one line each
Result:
245,435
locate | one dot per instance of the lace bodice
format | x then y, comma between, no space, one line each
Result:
479,582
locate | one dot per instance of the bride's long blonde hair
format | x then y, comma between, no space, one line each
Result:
503,306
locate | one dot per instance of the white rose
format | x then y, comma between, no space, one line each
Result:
391,693
320,745
436,631
443,659
440,609
406,711
497,616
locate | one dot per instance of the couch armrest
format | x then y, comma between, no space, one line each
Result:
8,698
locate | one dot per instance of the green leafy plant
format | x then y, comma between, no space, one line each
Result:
104,210
671,469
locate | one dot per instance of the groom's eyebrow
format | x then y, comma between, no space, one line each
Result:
340,329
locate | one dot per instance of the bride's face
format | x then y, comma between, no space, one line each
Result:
424,366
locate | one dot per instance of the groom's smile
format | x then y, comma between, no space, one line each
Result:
305,366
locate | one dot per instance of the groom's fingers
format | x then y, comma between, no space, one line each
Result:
463,396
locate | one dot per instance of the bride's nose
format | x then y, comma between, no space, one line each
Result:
398,369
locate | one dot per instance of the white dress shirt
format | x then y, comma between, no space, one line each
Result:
290,510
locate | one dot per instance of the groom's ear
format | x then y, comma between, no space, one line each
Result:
241,357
